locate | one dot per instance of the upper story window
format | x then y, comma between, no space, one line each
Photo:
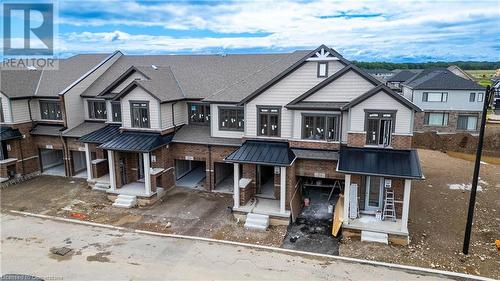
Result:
231,118
322,69
435,96
480,97
467,122
97,109
199,113
320,127
379,127
116,109
436,119
139,112
50,110
268,119
472,97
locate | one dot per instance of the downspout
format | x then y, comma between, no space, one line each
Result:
210,170
22,157
173,117
65,155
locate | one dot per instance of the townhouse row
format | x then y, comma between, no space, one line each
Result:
270,129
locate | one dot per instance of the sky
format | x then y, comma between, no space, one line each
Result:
396,31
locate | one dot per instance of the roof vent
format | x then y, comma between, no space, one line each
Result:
31,67
154,66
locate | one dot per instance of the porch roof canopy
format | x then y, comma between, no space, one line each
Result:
264,153
137,142
102,135
7,133
380,162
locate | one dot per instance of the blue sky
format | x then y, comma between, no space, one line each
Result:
399,31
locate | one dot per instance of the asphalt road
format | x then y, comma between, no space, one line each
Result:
106,254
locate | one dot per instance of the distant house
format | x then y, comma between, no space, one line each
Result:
460,72
449,102
395,82
380,74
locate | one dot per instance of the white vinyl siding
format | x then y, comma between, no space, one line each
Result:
180,115
456,100
139,94
286,90
214,124
6,109
381,101
343,89
20,111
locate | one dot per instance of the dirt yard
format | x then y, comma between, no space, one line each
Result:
437,220
182,211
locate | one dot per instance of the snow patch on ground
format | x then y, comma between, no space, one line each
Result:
463,186
484,163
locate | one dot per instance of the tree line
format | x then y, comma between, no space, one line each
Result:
466,65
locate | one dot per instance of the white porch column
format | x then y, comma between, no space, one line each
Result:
347,189
111,165
147,173
236,188
406,206
282,189
87,159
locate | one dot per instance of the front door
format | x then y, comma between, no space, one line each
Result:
374,193
140,164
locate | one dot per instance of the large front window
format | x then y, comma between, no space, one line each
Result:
269,121
379,127
139,112
199,113
50,110
97,109
231,119
467,122
436,119
320,127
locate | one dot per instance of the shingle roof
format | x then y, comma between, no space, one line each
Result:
7,133
137,142
402,76
315,154
441,79
83,129
198,76
380,162
46,82
263,152
388,91
199,134
102,135
311,105
46,130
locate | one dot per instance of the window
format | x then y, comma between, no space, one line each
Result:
269,121
436,119
322,69
472,97
480,97
379,127
50,110
3,151
2,118
231,119
199,114
467,122
139,112
97,109
435,96
116,110
320,127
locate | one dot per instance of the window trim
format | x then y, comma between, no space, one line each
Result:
131,113
219,108
482,97
326,115
425,96
88,109
205,105
472,97
53,102
259,107
379,111
445,114
318,69
113,112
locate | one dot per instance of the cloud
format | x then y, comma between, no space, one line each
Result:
368,30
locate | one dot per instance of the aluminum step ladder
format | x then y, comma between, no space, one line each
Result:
389,209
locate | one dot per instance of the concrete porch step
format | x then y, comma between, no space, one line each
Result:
377,237
100,186
125,201
257,222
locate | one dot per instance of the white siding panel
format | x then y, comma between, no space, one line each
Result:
457,100
6,108
283,92
343,89
345,126
214,124
382,101
180,114
139,94
20,111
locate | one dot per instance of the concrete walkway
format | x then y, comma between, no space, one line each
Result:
107,254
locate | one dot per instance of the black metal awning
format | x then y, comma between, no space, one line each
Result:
137,142
380,162
7,133
264,153
102,135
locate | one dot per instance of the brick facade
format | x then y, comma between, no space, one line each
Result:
397,141
451,127
356,139
315,145
317,168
